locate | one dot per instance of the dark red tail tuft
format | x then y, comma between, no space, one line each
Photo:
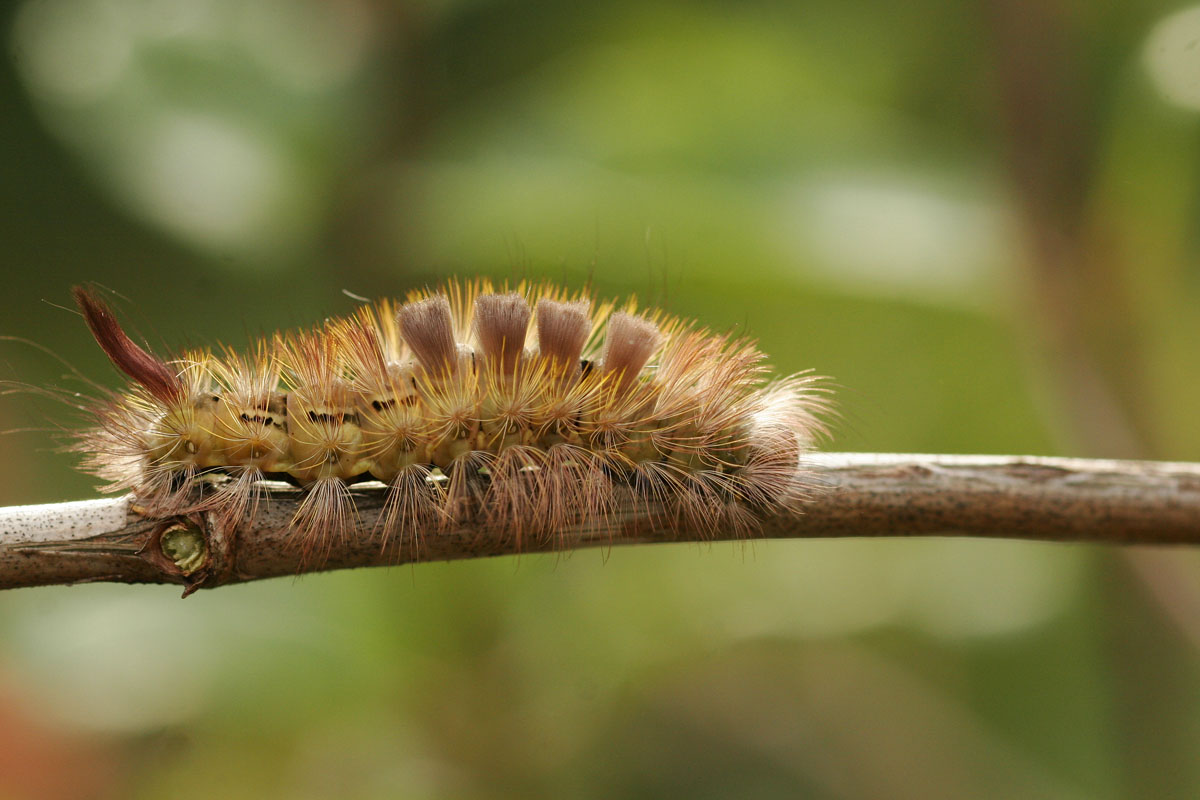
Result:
135,362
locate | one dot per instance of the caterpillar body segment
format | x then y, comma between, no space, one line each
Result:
520,411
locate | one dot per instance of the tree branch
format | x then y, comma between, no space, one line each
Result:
1053,499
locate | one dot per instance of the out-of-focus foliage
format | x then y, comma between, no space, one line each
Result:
833,178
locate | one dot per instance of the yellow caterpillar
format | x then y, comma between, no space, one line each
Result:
523,410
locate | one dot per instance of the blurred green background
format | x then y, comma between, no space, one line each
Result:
979,218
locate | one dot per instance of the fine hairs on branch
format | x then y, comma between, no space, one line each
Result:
520,411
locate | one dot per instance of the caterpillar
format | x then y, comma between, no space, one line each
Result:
521,410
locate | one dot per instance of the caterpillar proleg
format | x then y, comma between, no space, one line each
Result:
520,410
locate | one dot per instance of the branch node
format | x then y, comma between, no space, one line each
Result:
184,544
179,547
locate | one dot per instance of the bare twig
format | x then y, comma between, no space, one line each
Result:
1056,499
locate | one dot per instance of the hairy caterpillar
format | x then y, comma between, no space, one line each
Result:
521,411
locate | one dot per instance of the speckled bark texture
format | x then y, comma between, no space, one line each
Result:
1123,502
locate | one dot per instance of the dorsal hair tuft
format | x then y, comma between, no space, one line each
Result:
629,342
428,327
563,330
501,322
145,368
